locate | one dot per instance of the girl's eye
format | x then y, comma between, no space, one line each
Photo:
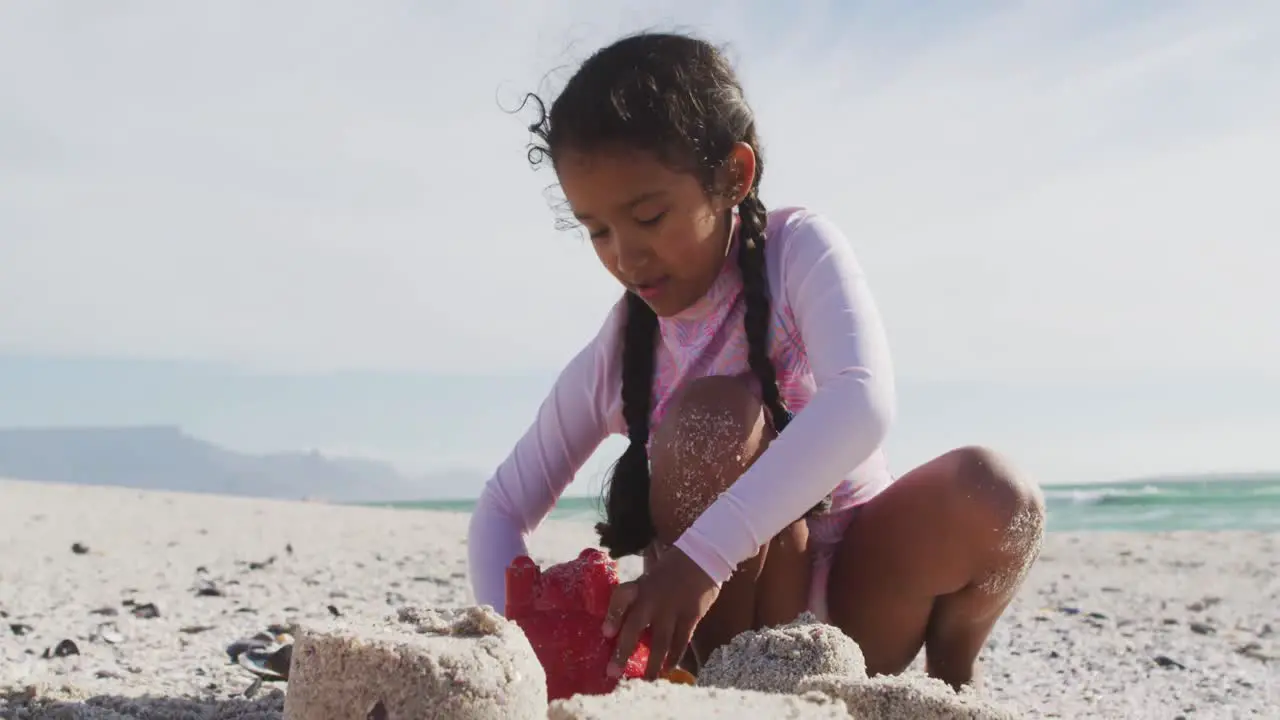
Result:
650,222
598,234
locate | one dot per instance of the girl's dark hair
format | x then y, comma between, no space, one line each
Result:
677,97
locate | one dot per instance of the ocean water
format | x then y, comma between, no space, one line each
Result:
1201,503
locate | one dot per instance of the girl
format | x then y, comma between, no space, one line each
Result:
747,365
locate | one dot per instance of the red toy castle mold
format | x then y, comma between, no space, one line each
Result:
561,611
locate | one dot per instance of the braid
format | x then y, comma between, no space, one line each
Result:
628,525
757,318
756,295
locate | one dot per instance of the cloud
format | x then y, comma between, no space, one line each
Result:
1068,189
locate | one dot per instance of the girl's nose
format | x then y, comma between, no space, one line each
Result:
633,257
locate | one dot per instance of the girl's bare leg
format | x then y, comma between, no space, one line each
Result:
934,560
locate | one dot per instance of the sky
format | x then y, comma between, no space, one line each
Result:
1044,195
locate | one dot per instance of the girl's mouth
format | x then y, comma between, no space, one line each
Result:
652,289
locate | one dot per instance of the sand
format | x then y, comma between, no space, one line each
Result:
423,663
1108,625
662,701
778,659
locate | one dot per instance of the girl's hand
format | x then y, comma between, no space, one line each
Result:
671,598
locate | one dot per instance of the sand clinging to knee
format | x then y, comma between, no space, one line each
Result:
707,448
1020,547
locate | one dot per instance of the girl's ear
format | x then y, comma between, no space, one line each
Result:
737,175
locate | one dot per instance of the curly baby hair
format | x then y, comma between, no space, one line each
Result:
676,97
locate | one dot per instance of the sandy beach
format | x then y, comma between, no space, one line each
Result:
158,584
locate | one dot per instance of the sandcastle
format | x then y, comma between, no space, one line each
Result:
777,660
894,698
465,664
664,701
473,664
806,657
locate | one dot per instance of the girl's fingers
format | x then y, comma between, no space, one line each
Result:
619,602
681,638
636,620
659,646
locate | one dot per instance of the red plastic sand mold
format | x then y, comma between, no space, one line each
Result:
561,610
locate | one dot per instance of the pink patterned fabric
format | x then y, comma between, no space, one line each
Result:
826,532
831,355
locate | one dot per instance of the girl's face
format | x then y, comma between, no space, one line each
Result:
656,230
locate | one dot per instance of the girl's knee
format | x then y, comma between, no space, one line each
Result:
793,541
711,417
712,433
997,497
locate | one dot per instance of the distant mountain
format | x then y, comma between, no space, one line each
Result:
166,458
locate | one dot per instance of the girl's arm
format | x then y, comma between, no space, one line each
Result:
844,422
570,425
